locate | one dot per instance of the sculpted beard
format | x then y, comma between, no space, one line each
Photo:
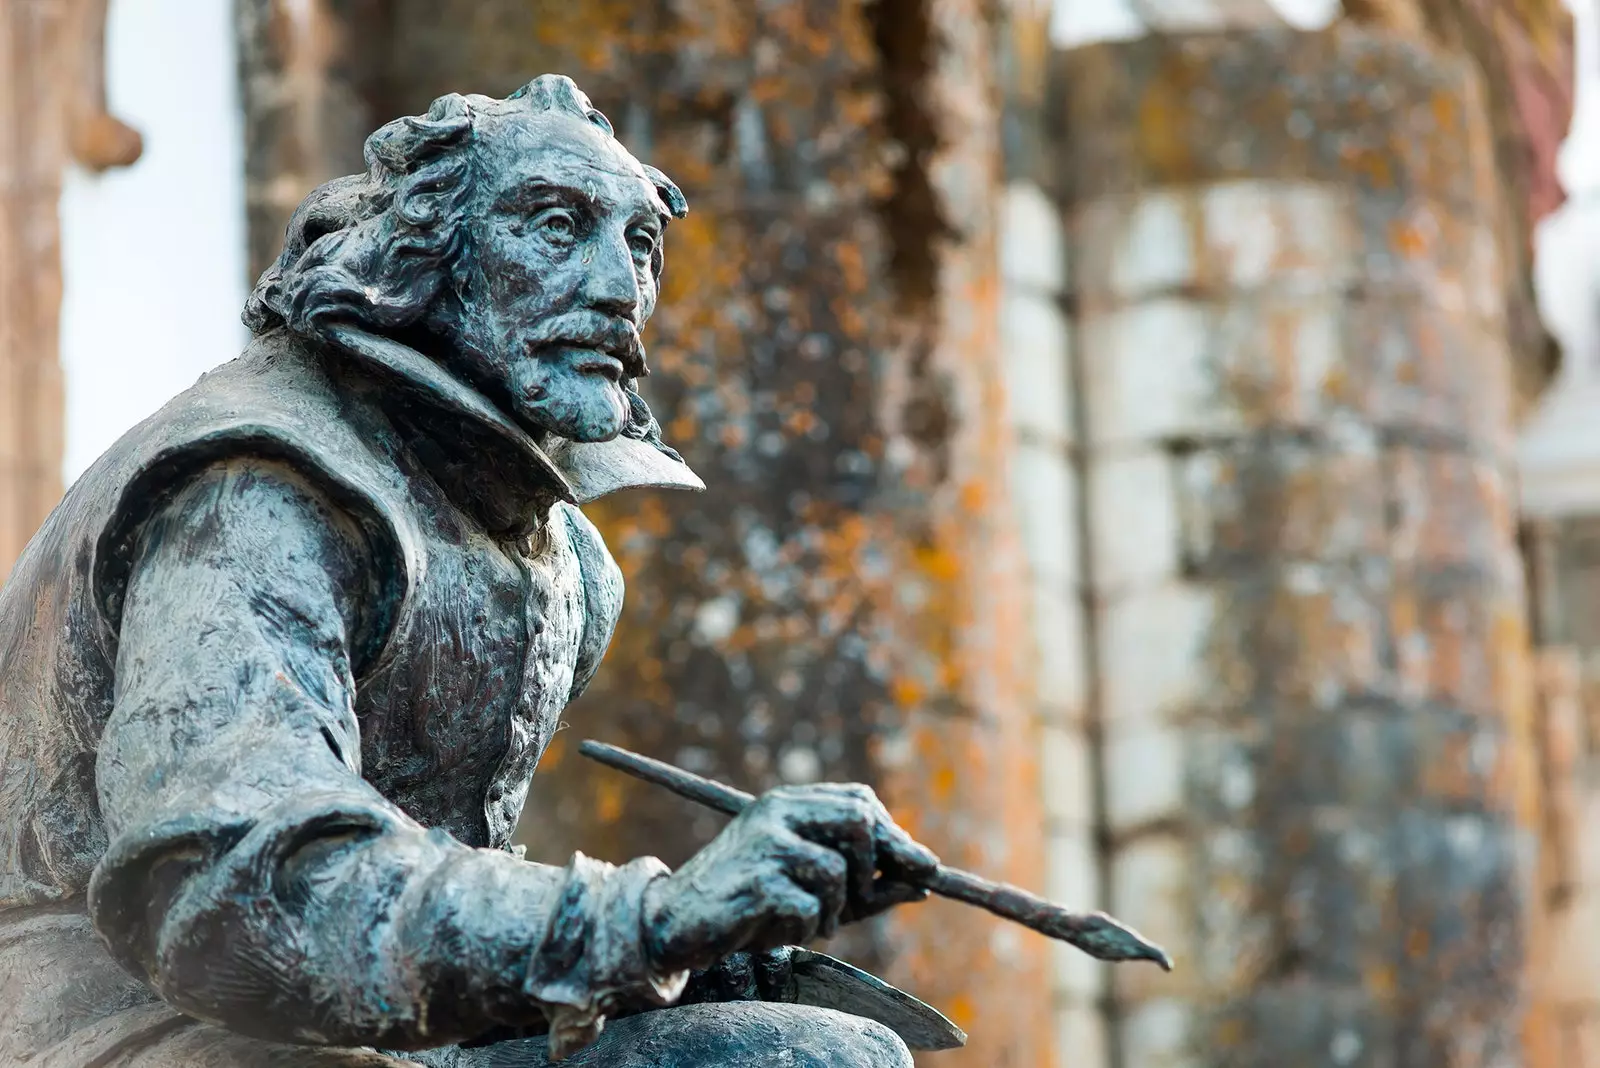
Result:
569,374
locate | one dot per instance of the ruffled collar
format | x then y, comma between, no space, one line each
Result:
509,478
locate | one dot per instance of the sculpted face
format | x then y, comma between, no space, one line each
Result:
560,275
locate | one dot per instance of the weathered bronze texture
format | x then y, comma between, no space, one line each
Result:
277,672
830,324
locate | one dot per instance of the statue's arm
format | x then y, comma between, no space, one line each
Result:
253,876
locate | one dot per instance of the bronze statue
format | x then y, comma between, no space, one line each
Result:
275,675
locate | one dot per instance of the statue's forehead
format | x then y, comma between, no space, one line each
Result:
552,146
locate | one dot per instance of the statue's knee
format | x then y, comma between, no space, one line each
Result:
824,1038
883,1047
738,1035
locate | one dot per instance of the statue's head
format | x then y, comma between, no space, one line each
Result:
515,241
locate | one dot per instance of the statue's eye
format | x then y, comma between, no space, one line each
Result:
643,244
557,223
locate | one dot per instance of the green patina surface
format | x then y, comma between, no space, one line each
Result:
845,600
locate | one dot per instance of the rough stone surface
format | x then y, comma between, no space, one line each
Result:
1034,340
1046,491
1081,1035
1134,522
1069,775
1061,674
1564,907
1148,642
1319,130
1524,50
1289,287
305,118
1032,244
1380,117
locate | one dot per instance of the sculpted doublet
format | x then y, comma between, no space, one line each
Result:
276,674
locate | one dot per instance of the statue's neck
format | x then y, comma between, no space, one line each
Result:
489,466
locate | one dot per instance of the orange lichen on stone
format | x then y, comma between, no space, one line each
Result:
1407,240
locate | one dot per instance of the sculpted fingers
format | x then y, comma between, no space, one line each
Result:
789,914
898,853
822,873
773,973
887,866
829,815
791,866
895,851
905,866
885,893
788,868
732,978
901,855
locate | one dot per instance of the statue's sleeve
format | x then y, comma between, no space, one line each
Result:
253,876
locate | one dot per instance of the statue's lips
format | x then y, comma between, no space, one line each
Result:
589,361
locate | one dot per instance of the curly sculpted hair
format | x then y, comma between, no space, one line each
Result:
377,249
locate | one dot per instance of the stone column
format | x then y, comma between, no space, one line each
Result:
52,110
1560,498
1308,605
1035,356
1564,1025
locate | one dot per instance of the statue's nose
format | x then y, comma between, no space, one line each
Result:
610,286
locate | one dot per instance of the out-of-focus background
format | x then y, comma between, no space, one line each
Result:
1156,443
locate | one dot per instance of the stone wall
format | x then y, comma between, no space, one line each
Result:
1036,343
1564,990
1523,52
1307,608
302,75
1560,498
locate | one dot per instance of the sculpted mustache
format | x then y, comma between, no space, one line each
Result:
615,337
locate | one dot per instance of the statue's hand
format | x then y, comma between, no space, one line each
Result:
760,976
791,867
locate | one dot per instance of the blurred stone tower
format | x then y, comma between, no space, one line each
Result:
1293,305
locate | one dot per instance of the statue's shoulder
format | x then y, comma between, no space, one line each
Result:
274,403
602,590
